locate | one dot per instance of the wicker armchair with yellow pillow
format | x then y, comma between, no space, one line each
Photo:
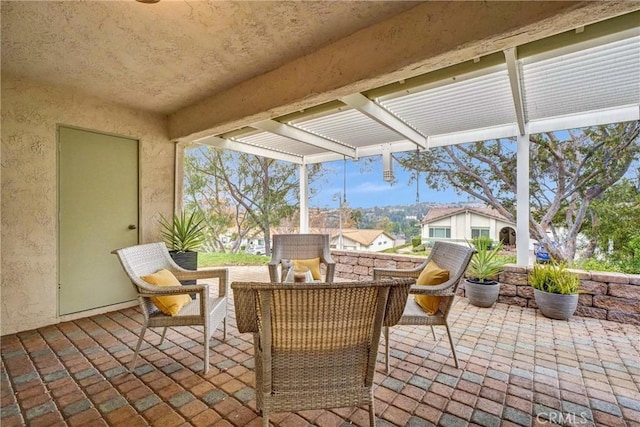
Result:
302,250
165,302
432,296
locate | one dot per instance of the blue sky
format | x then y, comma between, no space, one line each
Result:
367,188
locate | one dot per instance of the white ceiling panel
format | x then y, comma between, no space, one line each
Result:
475,103
597,78
349,126
574,86
278,143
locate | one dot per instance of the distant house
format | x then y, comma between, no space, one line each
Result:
362,240
353,239
465,223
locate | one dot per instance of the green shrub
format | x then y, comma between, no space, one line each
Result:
482,242
419,248
614,263
554,278
416,241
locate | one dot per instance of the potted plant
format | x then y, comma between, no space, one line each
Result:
555,290
184,235
481,286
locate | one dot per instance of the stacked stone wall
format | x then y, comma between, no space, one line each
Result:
604,295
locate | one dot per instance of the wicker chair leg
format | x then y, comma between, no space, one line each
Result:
206,351
265,420
433,332
386,347
135,355
164,332
453,348
224,329
372,415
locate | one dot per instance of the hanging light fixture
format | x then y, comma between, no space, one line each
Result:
387,164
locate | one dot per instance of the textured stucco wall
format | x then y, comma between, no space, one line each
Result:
30,113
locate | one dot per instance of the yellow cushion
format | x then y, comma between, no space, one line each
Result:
313,264
170,304
431,275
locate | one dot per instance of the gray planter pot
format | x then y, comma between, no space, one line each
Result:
556,306
482,294
187,260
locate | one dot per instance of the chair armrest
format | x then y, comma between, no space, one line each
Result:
326,256
222,274
202,289
244,300
431,290
443,289
412,273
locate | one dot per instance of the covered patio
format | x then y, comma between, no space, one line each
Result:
518,368
116,68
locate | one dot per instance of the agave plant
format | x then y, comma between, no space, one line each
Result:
485,264
183,233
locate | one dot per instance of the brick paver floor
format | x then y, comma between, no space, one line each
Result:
517,368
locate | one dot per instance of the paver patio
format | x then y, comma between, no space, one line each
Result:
517,369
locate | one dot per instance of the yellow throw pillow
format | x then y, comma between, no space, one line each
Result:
313,264
431,275
169,304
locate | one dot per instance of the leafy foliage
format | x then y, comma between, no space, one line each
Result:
554,278
183,233
248,191
624,260
565,176
486,263
613,218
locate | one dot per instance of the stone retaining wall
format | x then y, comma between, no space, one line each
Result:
610,296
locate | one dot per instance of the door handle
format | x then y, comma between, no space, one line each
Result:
132,227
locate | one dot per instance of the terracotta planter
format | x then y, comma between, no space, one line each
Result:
556,306
482,294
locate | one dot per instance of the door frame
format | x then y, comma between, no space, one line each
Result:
57,226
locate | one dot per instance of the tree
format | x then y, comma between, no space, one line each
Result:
614,218
565,176
257,192
205,196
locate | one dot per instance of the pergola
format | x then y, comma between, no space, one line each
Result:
584,77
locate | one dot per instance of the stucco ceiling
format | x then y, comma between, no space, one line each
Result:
162,57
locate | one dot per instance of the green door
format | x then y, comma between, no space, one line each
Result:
98,212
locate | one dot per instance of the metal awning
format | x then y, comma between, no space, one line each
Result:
518,91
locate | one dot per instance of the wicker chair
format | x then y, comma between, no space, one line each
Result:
450,256
315,346
206,310
287,247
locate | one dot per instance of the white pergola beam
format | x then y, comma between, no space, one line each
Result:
513,70
522,201
228,144
591,118
474,135
304,199
384,117
304,137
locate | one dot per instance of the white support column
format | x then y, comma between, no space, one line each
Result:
304,199
522,201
